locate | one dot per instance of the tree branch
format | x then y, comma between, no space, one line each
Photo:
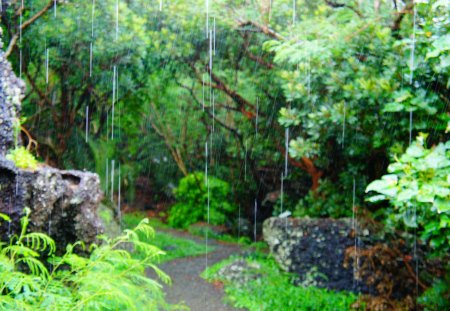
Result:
261,28
15,37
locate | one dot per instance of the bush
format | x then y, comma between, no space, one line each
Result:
193,194
418,189
109,279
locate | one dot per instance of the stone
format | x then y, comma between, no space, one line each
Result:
63,203
314,249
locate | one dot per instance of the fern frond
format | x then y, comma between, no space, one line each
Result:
36,266
40,242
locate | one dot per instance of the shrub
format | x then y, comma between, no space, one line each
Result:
193,194
109,279
418,189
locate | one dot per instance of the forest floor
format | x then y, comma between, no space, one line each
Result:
187,286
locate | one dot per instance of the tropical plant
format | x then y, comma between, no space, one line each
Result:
108,279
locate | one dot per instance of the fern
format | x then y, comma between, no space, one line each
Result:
109,279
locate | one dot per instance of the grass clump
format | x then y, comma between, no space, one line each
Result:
175,247
273,289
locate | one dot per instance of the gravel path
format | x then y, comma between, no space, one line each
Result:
187,285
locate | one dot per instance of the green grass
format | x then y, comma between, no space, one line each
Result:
274,290
175,247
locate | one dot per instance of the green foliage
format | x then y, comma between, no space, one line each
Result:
194,193
22,158
437,296
109,279
418,188
273,289
175,247
334,204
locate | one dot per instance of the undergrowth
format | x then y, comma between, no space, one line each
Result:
109,279
176,247
273,289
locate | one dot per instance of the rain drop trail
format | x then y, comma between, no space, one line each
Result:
107,176
214,37
343,125
355,232
293,12
286,152
207,206
117,20
46,65
91,46
203,92
239,223
160,5
119,210
281,193
411,81
112,180
411,65
254,225
113,101
87,124
54,8
207,17
256,118
245,162
20,41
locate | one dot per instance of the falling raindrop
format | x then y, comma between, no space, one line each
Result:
113,101
203,92
245,161
411,65
119,210
207,18
107,176
160,5
256,118
46,65
87,124
286,152
54,7
20,41
112,180
293,12
355,233
117,20
343,124
254,225
214,37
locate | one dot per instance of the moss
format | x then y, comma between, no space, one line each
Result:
22,158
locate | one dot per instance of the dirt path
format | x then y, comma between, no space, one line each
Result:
187,285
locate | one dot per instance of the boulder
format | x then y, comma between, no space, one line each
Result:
63,203
314,249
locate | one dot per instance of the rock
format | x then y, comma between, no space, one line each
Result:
240,272
11,93
63,203
314,249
